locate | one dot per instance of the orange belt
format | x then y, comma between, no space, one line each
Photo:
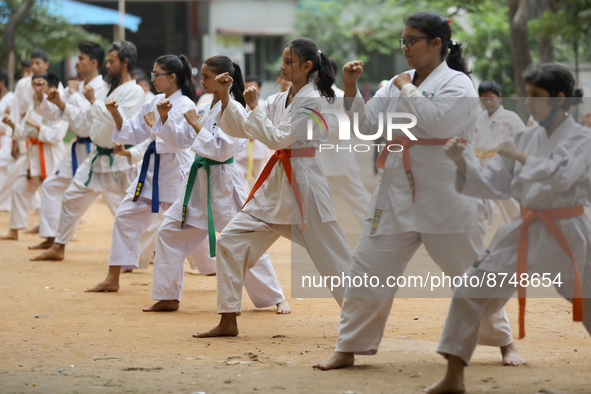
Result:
283,155
547,216
406,144
35,141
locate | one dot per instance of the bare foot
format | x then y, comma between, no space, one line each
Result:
11,236
453,382
336,360
126,271
214,274
55,253
511,355
283,308
106,286
228,327
445,386
163,306
33,230
48,243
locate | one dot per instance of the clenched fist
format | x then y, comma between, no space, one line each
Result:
224,81
352,71
150,118
73,85
89,93
112,105
251,98
192,118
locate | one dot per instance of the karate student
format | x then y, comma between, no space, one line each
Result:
209,198
547,169
340,166
494,126
252,159
101,172
163,166
74,108
45,149
269,212
22,102
401,218
6,159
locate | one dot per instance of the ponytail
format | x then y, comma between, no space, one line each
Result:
180,66
454,58
223,64
237,88
325,77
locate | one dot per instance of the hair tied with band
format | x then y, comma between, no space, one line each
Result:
449,21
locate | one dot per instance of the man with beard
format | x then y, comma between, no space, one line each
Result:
103,172
74,108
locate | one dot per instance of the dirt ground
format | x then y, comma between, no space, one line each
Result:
54,338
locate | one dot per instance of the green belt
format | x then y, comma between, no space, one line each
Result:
100,151
197,163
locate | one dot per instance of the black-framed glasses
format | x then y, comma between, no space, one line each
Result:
154,75
410,41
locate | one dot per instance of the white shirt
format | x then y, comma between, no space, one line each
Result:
335,162
445,105
226,182
77,114
272,124
51,134
556,174
493,130
174,162
5,141
130,97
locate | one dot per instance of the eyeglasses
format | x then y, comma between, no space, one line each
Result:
410,41
154,75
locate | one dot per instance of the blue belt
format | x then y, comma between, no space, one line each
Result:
87,141
144,172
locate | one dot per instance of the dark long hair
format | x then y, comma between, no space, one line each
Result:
434,25
180,66
307,50
555,78
223,64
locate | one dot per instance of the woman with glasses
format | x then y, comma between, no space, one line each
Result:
210,196
415,202
163,166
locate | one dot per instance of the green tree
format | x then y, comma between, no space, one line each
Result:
42,30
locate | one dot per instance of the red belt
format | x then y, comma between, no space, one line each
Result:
283,155
406,144
547,216
35,141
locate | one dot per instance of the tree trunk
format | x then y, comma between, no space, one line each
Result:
546,47
8,59
519,43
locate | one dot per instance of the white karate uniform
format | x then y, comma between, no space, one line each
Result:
448,224
340,166
77,114
491,131
556,174
271,213
134,217
50,136
6,159
255,150
226,193
109,180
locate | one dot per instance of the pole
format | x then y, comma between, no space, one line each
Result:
122,20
